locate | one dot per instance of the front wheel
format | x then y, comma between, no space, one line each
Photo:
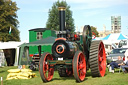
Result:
46,71
79,66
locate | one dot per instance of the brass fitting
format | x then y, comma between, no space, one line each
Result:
61,8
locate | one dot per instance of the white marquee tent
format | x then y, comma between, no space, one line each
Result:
114,38
11,45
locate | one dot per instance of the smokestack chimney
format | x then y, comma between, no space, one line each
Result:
62,18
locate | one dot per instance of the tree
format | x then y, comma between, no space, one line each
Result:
8,19
53,19
94,29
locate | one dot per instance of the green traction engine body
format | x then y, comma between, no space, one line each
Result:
73,54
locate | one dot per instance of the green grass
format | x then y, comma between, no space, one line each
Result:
109,79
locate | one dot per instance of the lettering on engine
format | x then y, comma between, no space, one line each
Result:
60,32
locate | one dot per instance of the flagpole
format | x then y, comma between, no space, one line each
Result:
10,30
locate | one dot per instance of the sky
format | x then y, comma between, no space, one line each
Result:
34,14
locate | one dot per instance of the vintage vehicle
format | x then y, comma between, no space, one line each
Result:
73,55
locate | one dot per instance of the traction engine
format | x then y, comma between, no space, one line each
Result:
73,55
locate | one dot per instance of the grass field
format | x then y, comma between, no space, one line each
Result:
109,79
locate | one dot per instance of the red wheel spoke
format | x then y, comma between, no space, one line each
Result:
81,72
102,58
100,50
80,68
49,73
100,66
46,71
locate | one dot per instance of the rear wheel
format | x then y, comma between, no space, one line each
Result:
79,66
97,59
46,71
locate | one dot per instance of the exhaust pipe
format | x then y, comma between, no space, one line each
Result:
62,19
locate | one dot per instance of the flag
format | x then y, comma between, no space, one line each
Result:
10,30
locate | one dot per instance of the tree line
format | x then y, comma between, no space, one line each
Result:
9,20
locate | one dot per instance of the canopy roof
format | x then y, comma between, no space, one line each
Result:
39,29
115,36
45,41
9,45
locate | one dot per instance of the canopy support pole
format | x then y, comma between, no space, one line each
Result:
39,50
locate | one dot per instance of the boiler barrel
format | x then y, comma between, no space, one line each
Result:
65,49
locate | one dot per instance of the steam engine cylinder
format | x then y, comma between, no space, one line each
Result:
65,49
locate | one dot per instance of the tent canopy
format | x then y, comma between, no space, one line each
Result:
9,45
45,41
112,38
115,36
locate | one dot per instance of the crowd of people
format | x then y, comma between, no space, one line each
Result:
120,63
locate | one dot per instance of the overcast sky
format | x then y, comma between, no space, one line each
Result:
34,14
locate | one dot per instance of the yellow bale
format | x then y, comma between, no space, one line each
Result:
33,74
14,70
22,77
30,73
24,74
11,75
14,77
20,74
26,70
